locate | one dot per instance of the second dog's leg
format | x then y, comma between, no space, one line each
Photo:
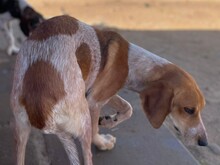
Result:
12,48
124,112
70,147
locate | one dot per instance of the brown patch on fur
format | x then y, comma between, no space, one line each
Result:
176,77
42,89
181,81
113,67
83,55
64,25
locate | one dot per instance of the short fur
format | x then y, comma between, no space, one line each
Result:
40,92
64,76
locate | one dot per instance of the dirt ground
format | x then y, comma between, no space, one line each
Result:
185,32
138,14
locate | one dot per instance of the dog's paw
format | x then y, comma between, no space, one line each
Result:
108,121
104,142
12,50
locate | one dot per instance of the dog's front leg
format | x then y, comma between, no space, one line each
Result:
124,112
101,141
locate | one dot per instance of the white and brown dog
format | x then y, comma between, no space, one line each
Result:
66,71
21,10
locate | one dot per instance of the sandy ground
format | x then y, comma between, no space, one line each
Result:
185,32
138,14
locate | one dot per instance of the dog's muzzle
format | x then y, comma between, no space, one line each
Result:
202,141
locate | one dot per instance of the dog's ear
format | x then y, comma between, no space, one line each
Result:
156,100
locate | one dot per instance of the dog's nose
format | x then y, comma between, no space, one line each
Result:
202,142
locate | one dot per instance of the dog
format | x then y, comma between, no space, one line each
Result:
66,71
21,10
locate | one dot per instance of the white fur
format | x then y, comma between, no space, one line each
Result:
197,130
91,39
6,24
104,142
141,62
22,4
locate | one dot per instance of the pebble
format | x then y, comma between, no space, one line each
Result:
215,148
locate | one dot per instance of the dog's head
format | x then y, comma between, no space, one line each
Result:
177,94
30,19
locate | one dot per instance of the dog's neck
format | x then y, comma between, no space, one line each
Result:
142,66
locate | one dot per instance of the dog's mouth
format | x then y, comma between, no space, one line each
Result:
177,129
191,139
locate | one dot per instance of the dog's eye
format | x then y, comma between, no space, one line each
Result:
190,111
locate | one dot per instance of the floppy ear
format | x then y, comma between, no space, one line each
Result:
156,100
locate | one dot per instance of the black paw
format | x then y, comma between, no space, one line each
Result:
106,118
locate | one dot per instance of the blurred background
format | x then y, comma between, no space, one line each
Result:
138,14
186,32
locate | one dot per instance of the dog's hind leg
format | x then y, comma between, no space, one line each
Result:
124,112
86,140
22,131
70,147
